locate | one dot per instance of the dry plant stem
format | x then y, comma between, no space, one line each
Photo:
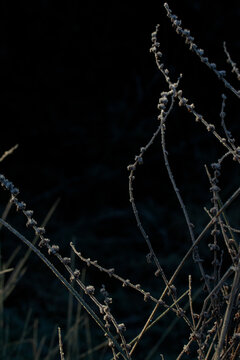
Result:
217,203
227,225
199,52
224,156
226,204
229,60
211,346
236,352
214,291
6,211
70,305
158,318
190,301
163,116
226,240
227,352
6,271
111,273
208,126
135,211
231,229
184,349
60,344
8,152
19,268
228,312
215,270
125,282
54,249
222,115
207,227
139,224
183,207
65,283
166,311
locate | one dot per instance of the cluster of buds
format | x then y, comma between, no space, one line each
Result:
32,223
189,39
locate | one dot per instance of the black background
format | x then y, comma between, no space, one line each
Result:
79,91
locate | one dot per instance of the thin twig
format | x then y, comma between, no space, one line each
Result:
8,152
228,312
190,300
60,343
65,283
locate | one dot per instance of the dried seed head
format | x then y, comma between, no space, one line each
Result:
215,188
131,167
210,127
157,272
108,300
172,289
107,317
90,290
149,257
146,296
44,242
76,273
111,271
216,166
28,213
20,205
53,249
222,73
39,231
121,327
126,283
31,222
110,343
66,260
15,191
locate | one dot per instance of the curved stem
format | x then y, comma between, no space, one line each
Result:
65,283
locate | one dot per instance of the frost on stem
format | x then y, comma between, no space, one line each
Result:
90,290
189,40
66,260
54,249
121,327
